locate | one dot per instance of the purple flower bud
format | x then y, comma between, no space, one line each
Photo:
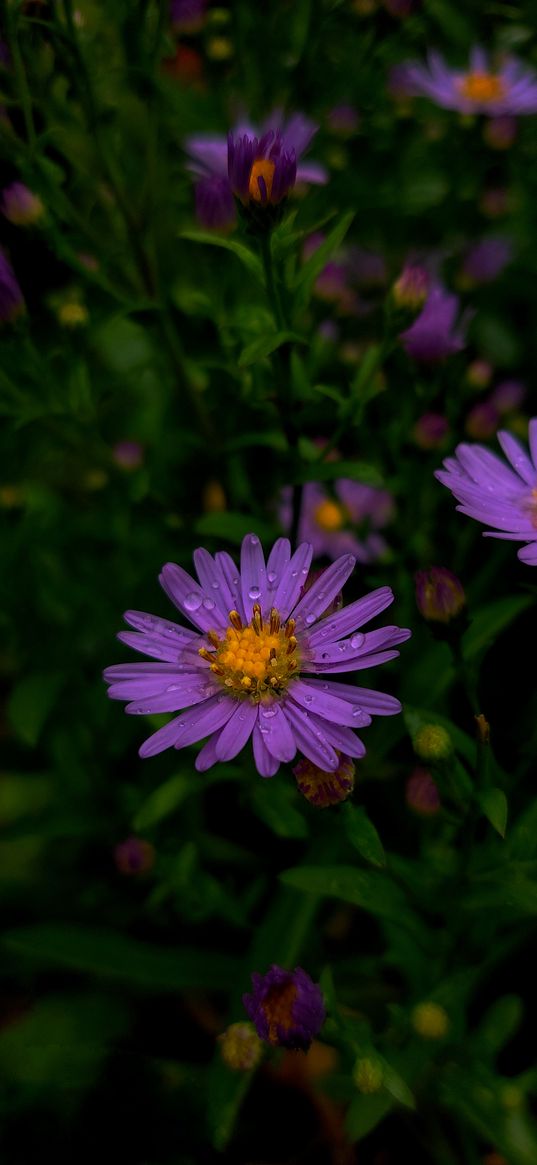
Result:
20,205
485,260
11,297
134,856
430,431
508,396
500,132
421,793
482,421
286,1007
435,334
260,170
343,120
411,289
439,594
187,15
128,454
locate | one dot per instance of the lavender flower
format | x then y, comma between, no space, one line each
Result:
434,334
286,1007
256,166
496,494
510,89
327,523
11,298
257,664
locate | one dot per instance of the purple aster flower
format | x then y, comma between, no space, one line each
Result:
509,89
434,334
496,494
485,260
20,205
258,662
215,206
327,522
11,298
260,169
287,1007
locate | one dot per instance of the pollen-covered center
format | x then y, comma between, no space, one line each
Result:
258,660
329,516
278,1008
261,179
482,87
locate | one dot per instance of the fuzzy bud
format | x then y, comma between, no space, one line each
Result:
430,1020
240,1047
432,742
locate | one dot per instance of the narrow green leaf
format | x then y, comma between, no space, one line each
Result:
500,1022
494,805
362,834
244,254
264,345
307,274
365,1113
272,802
329,470
372,891
31,702
396,1086
162,802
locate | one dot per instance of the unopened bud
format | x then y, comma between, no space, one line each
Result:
368,1075
440,595
240,1047
411,289
432,742
430,1020
422,794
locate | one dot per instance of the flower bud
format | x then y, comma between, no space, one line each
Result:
440,595
430,1020
134,856
422,794
20,206
430,431
321,788
368,1075
240,1047
432,742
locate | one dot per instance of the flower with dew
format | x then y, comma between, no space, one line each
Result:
497,494
257,166
11,297
259,663
20,205
346,523
287,1007
510,88
435,333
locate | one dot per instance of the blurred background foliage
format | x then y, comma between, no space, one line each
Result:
146,410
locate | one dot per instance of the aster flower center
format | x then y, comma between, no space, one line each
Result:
261,179
256,661
329,516
482,87
278,1008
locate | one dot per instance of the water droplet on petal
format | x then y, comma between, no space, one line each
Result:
308,699
357,712
175,688
357,640
254,592
264,731
294,573
209,604
271,576
215,585
268,712
193,601
310,619
254,540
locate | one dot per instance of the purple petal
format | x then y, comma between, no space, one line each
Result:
276,733
528,554
237,731
231,576
208,154
157,648
358,645
315,601
350,618
326,704
355,664
310,737
292,580
188,596
156,627
164,738
376,703
276,565
253,575
341,738
266,764
312,172
185,692
207,757
533,439
213,581
204,719
518,457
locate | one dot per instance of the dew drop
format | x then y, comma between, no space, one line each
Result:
271,576
268,713
308,699
149,620
193,601
294,574
357,640
254,592
175,688
357,712
310,619
215,585
264,731
254,540
324,655
209,604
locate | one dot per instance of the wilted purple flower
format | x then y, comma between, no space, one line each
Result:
287,1007
496,494
276,145
510,89
245,672
20,205
485,259
11,298
435,333
479,373
134,856
187,15
440,594
323,789
345,524
508,396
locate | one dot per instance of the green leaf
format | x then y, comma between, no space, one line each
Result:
365,1113
307,274
244,254
231,527
31,702
490,621
264,345
396,1086
329,470
374,892
101,952
494,805
163,801
362,834
272,802
500,1023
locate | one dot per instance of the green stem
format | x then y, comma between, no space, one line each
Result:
273,294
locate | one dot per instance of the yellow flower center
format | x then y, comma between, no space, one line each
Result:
256,661
265,170
329,516
482,87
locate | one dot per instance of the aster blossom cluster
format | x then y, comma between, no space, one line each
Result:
497,494
257,664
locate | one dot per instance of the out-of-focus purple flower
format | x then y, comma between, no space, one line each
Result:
440,594
411,289
329,331
323,789
343,120
496,494
258,662
348,523
508,396
435,334
367,268
421,794
400,85
134,856
500,132
11,297
482,421
187,15
20,205
430,431
215,205
128,454
257,166
286,1007
509,89
479,373
485,260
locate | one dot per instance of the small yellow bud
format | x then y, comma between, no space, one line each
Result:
432,742
73,314
430,1020
240,1047
368,1075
